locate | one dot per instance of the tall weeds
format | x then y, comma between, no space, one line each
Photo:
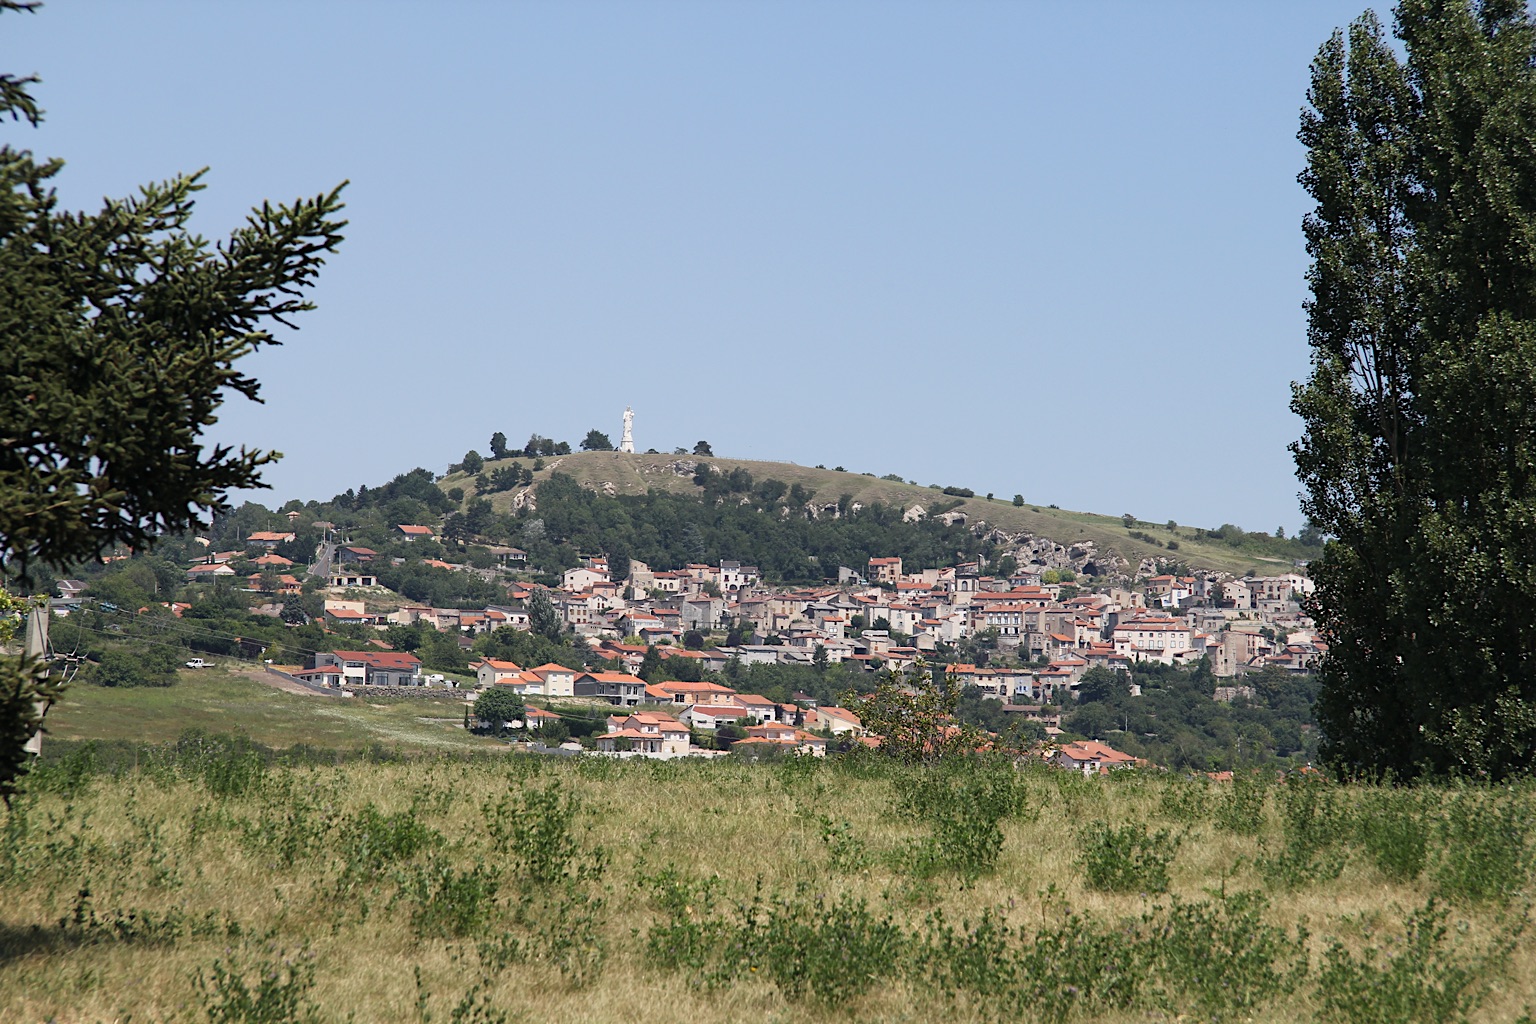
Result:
800,889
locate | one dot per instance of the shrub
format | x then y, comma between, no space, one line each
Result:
1312,823
371,842
1185,800
1242,812
228,766
537,830
1417,976
846,852
154,666
833,951
1127,858
1080,964
687,938
1484,850
451,903
271,990
1393,827
963,809
1221,955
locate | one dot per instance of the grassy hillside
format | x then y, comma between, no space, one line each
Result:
488,891
613,472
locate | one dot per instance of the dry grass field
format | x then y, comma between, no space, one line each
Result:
208,885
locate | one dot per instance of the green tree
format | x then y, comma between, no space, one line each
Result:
1419,451
596,441
728,734
1018,501
499,445
473,462
1102,684
543,619
652,669
149,666
120,331
703,448
915,719
456,528
497,706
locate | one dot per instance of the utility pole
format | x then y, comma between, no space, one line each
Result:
37,649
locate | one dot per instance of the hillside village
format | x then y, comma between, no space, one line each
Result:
1033,634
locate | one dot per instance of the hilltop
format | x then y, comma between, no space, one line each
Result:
616,473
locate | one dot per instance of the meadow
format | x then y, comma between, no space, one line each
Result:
209,881
239,698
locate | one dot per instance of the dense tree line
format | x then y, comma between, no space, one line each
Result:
1175,723
441,588
756,523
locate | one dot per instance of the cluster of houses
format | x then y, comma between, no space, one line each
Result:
801,728
1048,635
663,728
892,618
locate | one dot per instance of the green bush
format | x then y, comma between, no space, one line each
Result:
1484,849
1313,823
1242,812
833,950
268,990
1220,955
1393,827
963,809
1417,976
1185,800
536,827
451,903
1127,858
846,852
149,666
372,842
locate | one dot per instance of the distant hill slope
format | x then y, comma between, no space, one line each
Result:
617,473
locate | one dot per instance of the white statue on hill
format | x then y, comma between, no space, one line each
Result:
627,444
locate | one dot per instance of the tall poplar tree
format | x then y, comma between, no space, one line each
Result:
1419,452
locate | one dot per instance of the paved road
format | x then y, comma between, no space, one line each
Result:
271,679
325,554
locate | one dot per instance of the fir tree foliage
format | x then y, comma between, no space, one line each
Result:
120,331
1419,452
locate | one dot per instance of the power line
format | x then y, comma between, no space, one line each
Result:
203,632
184,628
238,656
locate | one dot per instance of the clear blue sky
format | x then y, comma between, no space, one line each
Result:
1023,247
